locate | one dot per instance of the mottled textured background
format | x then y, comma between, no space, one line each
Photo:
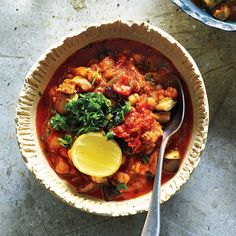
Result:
206,205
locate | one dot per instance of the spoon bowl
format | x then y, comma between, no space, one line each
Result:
178,112
152,223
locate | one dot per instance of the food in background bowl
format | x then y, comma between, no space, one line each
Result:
222,10
200,11
101,118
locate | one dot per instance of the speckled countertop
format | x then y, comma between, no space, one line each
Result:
206,205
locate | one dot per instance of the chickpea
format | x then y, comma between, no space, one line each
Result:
62,167
134,99
151,103
135,168
68,87
122,177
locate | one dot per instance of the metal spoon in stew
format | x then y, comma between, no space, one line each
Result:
152,223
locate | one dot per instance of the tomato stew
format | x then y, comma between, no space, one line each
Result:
129,76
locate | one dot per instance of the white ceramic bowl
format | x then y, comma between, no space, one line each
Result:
44,68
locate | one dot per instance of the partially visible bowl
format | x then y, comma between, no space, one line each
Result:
41,73
191,9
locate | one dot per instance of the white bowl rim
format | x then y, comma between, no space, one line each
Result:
26,133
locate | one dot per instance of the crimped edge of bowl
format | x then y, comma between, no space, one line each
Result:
25,115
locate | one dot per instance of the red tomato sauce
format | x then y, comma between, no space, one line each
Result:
81,58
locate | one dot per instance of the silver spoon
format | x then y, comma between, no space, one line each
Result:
152,223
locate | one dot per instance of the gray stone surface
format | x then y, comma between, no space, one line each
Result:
206,205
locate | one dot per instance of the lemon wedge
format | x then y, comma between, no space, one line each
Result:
92,154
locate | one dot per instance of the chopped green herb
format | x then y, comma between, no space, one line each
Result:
149,78
95,76
145,159
42,138
121,186
119,112
58,122
47,132
90,112
66,141
149,175
109,135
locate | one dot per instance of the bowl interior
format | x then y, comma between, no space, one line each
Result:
40,75
191,9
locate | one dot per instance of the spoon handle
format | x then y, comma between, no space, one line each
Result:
152,222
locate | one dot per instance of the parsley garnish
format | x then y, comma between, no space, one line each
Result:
47,132
66,141
118,113
109,135
145,159
149,175
58,122
121,186
91,112
149,78
95,76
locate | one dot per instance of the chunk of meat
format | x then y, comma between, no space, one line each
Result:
79,71
59,102
222,12
52,141
136,184
107,63
122,86
88,187
134,168
83,83
151,166
163,117
171,92
137,168
212,3
138,58
62,166
161,93
150,137
111,73
135,124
